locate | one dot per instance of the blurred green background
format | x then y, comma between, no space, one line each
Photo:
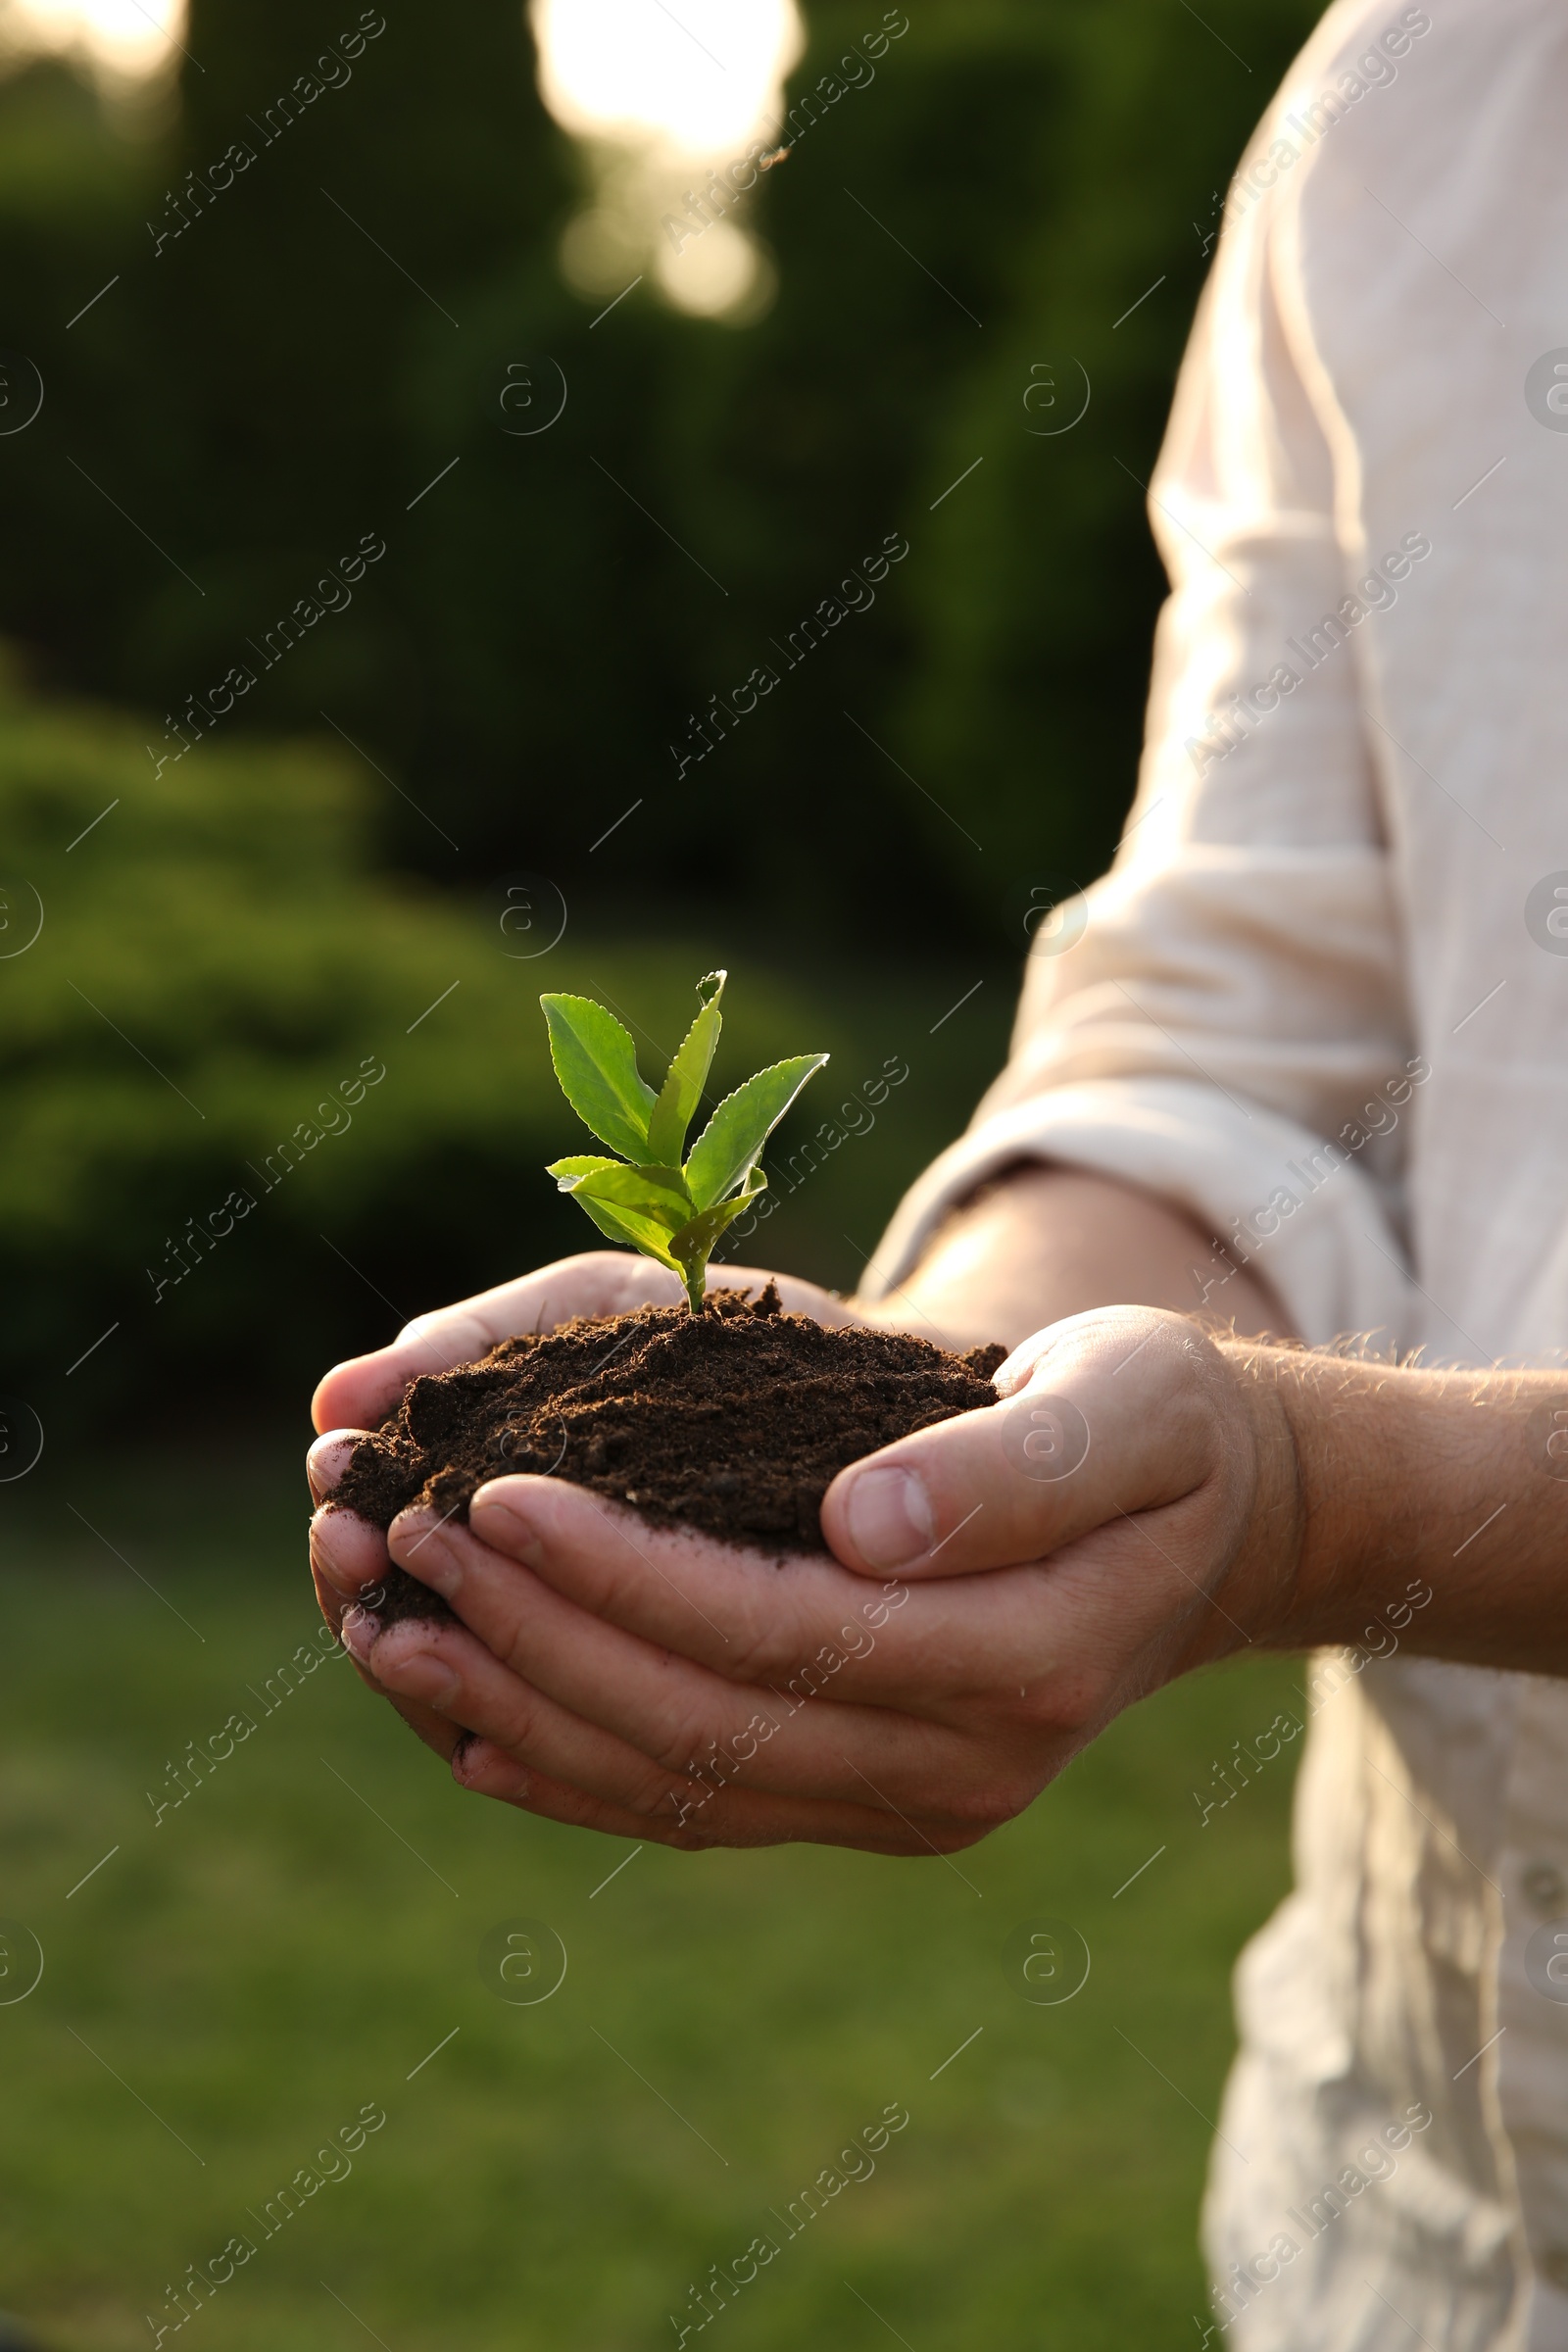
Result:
240,1976
455,791
250,400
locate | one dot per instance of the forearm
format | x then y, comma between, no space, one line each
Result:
1044,1243
1452,1481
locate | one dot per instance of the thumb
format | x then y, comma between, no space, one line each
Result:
1108,1413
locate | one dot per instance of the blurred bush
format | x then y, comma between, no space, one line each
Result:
198,1146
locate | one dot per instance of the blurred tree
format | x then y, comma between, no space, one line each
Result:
1023,192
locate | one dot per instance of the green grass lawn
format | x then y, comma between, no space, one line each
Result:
244,1976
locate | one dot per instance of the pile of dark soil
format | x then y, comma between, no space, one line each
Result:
735,1421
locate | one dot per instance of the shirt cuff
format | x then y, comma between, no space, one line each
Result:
1300,1209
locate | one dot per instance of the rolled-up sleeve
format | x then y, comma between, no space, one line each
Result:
1226,1002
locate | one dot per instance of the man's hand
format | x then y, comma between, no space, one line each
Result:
1037,1245
1005,1585
347,1555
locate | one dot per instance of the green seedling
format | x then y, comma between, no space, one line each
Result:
670,1207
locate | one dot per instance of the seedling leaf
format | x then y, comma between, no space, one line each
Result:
596,1064
622,1225
671,1214
682,1090
729,1144
638,1189
583,1165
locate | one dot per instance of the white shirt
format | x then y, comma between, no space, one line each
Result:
1358,896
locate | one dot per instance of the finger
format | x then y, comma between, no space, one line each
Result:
332,1605
749,1615
434,1730
598,1282
328,1459
453,1673
796,1624
492,1773
488,1770
670,1716
1117,1416
347,1551
445,1670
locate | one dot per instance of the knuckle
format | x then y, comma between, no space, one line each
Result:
972,1813
677,1818
959,1841
1015,1795
758,1654
933,1840
672,1752
516,1725
510,1646
657,1792
688,1840
1063,1704
680,1737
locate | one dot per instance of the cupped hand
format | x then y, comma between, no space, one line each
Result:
348,1556
1004,1585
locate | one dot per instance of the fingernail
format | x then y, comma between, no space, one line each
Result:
476,1761
890,1517
359,1633
502,1525
419,1674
